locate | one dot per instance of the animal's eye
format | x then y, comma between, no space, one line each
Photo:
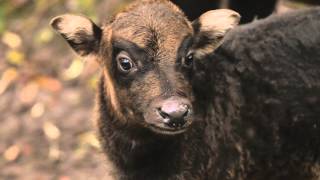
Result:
188,60
125,64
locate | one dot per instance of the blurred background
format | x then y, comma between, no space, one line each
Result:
47,92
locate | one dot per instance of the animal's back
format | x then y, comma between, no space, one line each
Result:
272,68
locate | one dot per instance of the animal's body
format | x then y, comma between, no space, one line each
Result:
249,9
172,106
266,91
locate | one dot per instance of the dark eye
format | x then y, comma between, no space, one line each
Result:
125,63
188,60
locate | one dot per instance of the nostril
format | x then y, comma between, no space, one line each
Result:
185,108
186,113
163,114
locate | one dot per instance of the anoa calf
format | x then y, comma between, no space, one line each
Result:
150,120
170,108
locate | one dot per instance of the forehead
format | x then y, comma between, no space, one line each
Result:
158,25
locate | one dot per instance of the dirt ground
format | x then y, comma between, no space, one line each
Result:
47,94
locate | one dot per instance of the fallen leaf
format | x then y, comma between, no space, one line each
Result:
28,93
80,152
11,39
8,76
54,152
89,138
37,110
49,83
15,57
12,153
74,70
51,131
44,36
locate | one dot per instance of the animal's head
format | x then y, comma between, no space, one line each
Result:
147,53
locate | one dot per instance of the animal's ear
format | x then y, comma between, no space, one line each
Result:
80,32
210,28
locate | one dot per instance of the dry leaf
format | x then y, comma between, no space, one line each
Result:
28,93
86,140
54,152
51,131
12,153
49,83
7,78
89,138
80,152
11,39
37,110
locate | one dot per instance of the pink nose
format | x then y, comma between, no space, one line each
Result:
174,111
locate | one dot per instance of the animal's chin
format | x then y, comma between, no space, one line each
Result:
166,131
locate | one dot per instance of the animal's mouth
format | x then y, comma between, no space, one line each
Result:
162,129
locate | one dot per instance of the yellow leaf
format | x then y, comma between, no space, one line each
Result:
7,78
44,36
93,81
89,138
80,152
74,70
11,39
51,130
15,57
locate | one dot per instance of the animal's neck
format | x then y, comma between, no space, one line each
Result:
142,156
153,156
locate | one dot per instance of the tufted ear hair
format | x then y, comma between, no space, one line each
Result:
210,28
80,32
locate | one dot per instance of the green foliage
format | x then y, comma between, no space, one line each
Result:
3,9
